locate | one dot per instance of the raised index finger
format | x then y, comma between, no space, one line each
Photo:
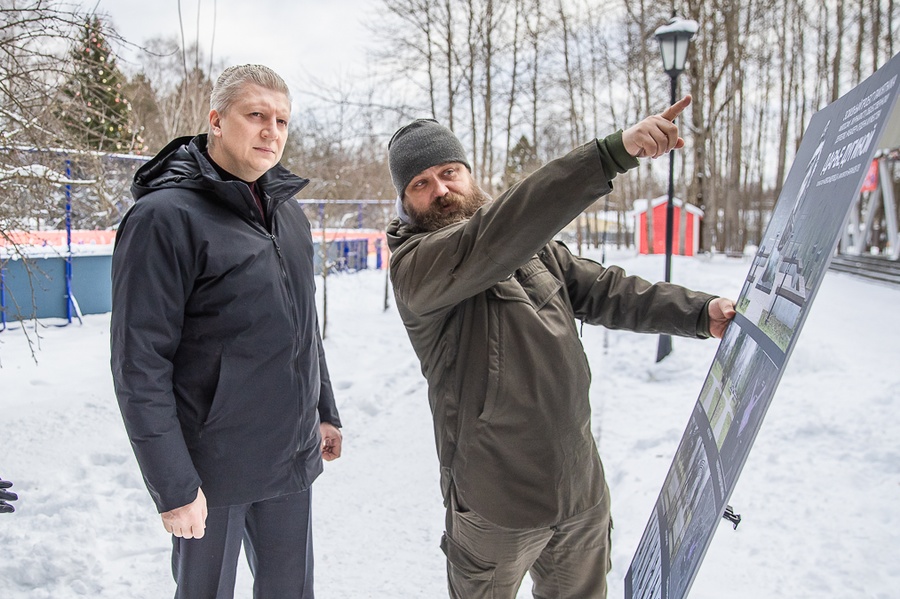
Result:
677,108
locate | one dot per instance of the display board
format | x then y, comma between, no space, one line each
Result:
785,274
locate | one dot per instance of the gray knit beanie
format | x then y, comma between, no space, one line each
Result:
421,144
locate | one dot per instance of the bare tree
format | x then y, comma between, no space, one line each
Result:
536,82
570,77
43,163
838,51
535,33
337,149
43,141
513,88
171,96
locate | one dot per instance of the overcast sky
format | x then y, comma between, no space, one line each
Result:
300,39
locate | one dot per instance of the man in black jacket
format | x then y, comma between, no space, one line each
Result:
216,354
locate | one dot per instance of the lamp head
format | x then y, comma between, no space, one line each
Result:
674,38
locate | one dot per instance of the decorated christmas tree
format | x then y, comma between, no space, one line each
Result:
97,112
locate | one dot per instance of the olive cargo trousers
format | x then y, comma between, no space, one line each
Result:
569,560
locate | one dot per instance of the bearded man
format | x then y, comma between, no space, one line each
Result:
490,303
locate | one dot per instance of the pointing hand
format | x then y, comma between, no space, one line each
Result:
656,135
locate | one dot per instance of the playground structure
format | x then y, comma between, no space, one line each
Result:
66,273
43,272
350,250
872,227
46,271
36,265
686,234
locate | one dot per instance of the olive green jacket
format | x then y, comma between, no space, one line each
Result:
490,306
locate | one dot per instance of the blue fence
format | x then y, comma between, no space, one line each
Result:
36,288
344,255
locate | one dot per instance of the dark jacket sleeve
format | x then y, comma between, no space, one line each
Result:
432,272
151,278
607,296
328,411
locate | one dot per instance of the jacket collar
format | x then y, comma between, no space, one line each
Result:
182,165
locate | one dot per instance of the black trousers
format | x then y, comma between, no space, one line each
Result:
277,537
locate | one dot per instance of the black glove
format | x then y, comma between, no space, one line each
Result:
5,496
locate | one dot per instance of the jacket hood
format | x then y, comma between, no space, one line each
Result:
397,233
181,164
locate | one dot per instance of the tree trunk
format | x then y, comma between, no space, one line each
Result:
487,146
448,56
512,92
838,52
473,117
574,133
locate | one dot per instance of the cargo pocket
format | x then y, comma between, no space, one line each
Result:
469,576
539,283
494,363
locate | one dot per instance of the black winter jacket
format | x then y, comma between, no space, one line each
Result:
216,354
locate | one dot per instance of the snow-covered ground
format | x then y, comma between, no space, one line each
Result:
818,494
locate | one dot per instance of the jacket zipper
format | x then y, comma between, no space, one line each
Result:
291,303
269,218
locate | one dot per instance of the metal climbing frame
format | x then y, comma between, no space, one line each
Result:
863,229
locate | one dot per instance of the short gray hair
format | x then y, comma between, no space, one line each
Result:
233,79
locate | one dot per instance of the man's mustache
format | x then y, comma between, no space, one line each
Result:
449,199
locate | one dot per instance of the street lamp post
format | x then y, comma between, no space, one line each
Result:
674,38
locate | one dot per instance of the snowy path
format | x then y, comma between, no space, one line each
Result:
817,495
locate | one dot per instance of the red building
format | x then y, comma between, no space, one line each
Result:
687,228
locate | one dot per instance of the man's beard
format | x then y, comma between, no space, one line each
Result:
462,207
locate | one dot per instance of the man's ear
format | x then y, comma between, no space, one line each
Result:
214,123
